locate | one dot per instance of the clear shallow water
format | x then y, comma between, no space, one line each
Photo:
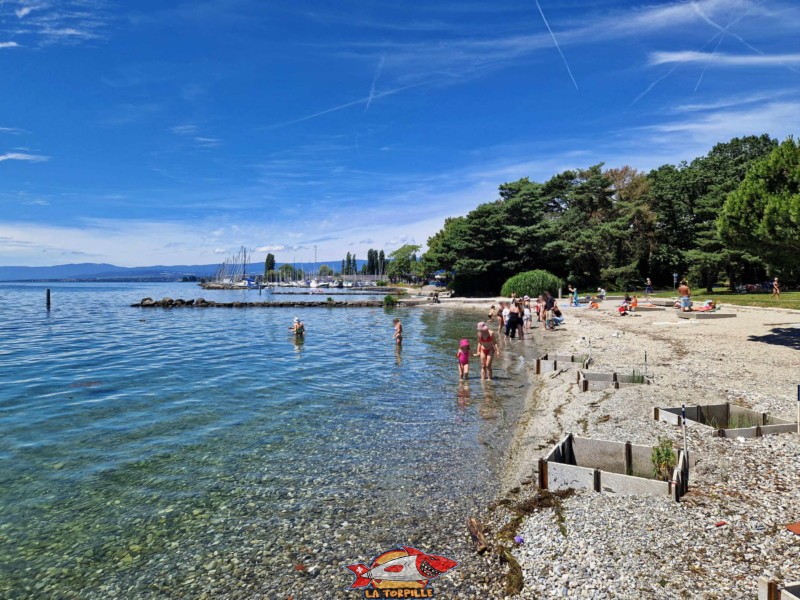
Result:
167,453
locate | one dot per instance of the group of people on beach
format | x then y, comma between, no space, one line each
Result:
517,314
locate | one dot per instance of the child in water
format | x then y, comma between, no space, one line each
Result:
463,359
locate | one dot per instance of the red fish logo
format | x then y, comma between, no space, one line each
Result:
403,567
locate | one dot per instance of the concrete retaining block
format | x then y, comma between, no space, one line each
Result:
610,467
554,362
705,315
727,420
770,589
593,380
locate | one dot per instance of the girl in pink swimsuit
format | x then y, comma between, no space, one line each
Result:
463,359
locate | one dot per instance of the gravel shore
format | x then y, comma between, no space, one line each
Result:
729,529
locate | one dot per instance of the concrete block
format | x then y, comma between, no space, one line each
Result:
603,466
599,454
702,316
626,485
791,591
727,420
562,477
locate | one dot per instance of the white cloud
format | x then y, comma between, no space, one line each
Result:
724,60
275,248
25,10
11,130
9,45
778,119
23,156
184,129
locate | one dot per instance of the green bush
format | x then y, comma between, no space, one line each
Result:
531,283
389,300
381,283
664,459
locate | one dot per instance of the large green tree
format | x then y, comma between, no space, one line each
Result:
400,266
762,216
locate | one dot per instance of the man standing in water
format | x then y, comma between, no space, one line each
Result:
685,296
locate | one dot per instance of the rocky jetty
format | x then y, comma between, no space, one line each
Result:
203,303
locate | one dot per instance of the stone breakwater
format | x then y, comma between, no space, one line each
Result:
203,303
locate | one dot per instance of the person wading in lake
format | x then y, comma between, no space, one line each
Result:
298,328
487,348
398,332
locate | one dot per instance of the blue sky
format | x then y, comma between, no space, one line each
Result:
142,133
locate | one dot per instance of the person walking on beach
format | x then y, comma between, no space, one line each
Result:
398,332
776,289
648,288
685,294
463,359
298,328
487,348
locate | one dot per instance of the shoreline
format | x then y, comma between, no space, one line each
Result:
605,545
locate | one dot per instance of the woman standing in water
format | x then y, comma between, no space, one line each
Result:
487,348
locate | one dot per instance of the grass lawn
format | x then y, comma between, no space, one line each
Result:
724,296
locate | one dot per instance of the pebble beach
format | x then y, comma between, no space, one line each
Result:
729,529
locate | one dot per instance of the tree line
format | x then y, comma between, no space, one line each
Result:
730,216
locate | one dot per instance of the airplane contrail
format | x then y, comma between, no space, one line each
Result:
564,58
378,72
345,105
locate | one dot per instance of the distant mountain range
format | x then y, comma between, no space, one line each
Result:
106,272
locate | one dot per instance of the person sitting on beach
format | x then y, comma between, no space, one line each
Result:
593,304
558,316
634,303
298,327
463,359
398,332
487,348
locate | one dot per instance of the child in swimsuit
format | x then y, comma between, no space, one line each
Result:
463,359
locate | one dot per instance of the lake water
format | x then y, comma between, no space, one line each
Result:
189,453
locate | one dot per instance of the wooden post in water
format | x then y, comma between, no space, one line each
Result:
47,296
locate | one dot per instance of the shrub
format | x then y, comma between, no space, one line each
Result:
381,283
664,459
531,283
389,300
